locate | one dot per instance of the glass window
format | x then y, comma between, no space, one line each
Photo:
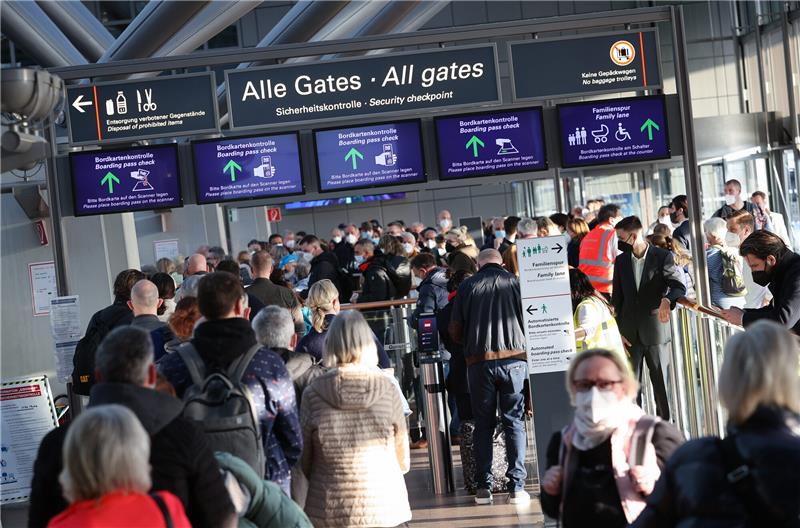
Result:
544,197
621,189
712,181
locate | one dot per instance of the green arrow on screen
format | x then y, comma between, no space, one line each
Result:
351,155
650,125
232,167
473,143
111,180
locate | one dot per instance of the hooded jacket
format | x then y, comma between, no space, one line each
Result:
181,460
219,343
356,449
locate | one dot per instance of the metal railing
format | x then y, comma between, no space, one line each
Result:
699,335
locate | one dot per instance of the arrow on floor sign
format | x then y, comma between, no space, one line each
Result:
352,154
473,143
232,167
111,180
650,125
558,248
79,103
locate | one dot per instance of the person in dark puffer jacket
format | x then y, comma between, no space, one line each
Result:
760,388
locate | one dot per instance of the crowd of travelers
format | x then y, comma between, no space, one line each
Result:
249,390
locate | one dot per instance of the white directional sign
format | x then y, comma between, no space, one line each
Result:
79,103
546,303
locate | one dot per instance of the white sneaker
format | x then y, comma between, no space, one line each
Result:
519,497
483,496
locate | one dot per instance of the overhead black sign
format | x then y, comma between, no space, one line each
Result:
126,110
559,67
368,85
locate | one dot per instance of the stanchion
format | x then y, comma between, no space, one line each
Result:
431,371
439,452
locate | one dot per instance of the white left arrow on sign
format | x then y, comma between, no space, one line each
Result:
79,103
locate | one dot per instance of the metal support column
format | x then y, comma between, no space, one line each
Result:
690,165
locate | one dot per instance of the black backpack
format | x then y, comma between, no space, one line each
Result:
223,407
83,361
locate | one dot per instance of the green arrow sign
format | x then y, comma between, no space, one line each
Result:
649,125
232,167
111,180
473,143
351,155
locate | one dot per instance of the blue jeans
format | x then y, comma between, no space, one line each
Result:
493,384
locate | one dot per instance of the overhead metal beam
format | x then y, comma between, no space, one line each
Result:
82,28
25,24
586,21
151,28
206,24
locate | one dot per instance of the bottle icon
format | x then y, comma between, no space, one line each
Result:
122,103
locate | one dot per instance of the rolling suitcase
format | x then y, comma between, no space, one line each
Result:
499,460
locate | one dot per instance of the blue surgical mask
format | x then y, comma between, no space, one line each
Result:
500,233
358,259
376,240
365,235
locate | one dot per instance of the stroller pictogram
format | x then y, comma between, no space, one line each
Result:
600,135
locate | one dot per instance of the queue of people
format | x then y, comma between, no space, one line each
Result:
267,342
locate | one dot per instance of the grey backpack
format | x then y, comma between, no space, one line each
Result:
223,407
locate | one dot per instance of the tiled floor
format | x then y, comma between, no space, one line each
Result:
458,510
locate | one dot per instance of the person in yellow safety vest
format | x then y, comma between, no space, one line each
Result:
595,326
599,250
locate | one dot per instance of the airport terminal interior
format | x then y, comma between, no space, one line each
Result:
500,194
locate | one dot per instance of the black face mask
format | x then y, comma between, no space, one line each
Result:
673,217
624,246
449,247
763,277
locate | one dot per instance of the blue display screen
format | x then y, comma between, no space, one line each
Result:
247,168
118,181
490,143
369,156
613,131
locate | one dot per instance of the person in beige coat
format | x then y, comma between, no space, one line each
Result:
354,435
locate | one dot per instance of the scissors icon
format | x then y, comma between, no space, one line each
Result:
149,105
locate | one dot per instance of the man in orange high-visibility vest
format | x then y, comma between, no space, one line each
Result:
599,250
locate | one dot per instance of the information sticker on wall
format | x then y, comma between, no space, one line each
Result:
65,327
27,413
166,249
43,286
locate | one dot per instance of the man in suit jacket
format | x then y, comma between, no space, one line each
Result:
647,285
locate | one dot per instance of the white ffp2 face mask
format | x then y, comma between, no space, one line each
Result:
337,239
730,199
732,239
351,239
430,243
596,407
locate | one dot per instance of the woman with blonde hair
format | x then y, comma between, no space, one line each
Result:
106,475
603,464
461,249
323,301
751,477
354,435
